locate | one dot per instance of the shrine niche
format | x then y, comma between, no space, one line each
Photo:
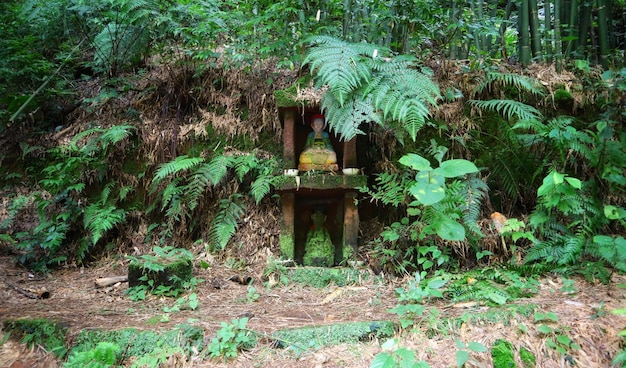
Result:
320,221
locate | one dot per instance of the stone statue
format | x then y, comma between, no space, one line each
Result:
319,249
318,153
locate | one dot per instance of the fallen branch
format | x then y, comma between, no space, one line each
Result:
108,281
41,293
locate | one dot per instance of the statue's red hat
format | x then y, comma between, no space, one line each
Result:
317,116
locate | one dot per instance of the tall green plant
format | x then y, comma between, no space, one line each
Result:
118,30
61,205
181,186
437,203
366,85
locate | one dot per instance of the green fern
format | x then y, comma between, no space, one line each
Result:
474,192
179,164
346,119
509,109
101,218
339,65
218,168
225,223
261,186
519,82
117,30
562,250
479,291
363,86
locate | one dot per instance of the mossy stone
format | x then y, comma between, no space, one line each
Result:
288,97
174,273
502,354
286,246
320,277
319,336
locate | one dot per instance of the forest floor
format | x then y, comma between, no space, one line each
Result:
583,311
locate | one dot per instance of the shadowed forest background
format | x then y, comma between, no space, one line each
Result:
492,135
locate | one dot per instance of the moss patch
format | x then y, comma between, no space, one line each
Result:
289,96
316,337
49,334
286,246
321,181
320,277
149,347
502,354
527,357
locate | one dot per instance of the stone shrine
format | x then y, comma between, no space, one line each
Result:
320,223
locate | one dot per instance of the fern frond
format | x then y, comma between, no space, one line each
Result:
391,189
479,291
244,164
406,97
509,109
346,119
226,221
180,163
115,134
475,192
559,250
520,82
218,168
338,65
261,186
99,219
171,193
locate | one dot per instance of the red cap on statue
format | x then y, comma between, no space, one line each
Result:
317,116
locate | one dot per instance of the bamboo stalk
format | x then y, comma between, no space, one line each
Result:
583,29
524,35
603,32
558,56
572,29
548,30
534,29
501,37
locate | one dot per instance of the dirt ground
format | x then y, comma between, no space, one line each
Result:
76,302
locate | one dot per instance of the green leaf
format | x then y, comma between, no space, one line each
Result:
383,360
564,339
576,183
389,344
476,347
544,329
461,357
614,213
427,194
415,162
552,316
448,229
497,298
456,167
437,284
434,177
557,178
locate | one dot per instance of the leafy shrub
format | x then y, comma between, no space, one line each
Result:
104,355
50,335
231,338
435,209
60,208
181,184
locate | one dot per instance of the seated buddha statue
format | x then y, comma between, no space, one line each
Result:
318,153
